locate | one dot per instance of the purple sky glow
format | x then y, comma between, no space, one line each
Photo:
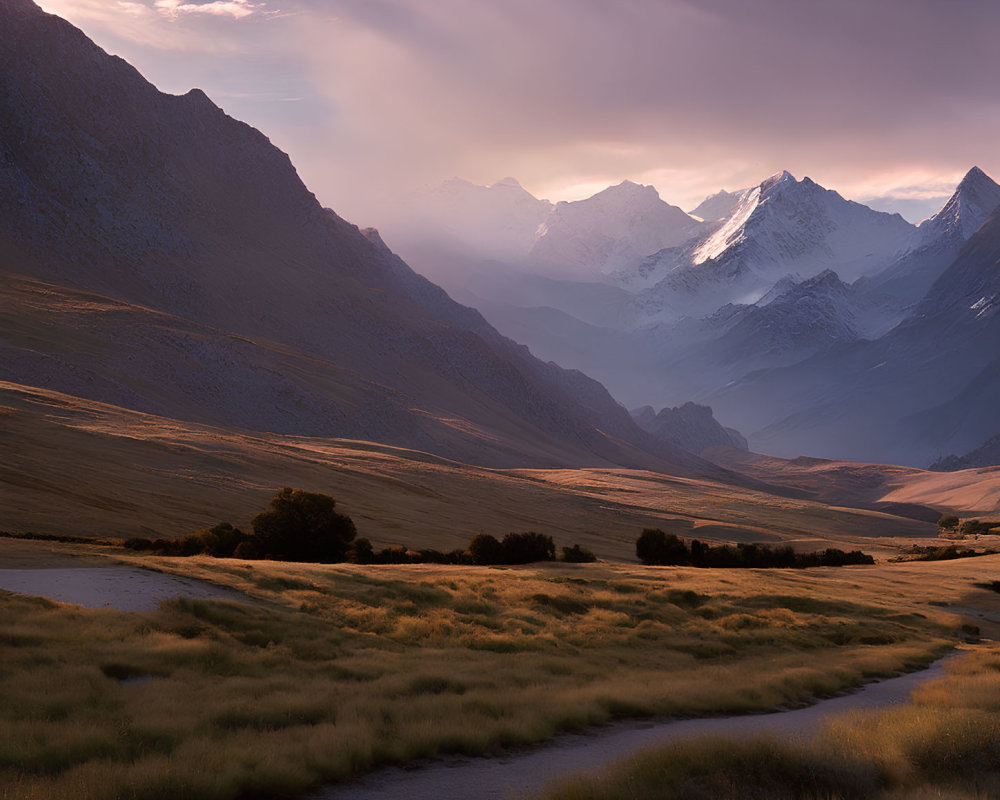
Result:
890,103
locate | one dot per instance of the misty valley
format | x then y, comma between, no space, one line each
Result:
582,500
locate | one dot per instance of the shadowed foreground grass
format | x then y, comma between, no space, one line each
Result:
946,744
341,669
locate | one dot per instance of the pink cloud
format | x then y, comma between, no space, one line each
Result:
237,9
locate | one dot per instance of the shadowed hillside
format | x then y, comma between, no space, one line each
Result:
159,255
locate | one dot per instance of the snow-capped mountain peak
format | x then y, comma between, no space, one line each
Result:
781,226
783,177
975,198
508,181
611,231
732,230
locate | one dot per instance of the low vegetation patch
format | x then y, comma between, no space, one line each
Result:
656,547
341,669
947,553
951,527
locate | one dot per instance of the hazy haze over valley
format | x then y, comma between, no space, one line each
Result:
502,466
802,318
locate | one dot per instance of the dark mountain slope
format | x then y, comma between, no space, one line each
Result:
167,206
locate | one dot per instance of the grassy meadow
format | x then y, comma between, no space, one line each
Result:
332,671
154,477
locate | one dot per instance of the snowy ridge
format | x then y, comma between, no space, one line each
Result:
719,206
732,229
938,241
976,197
609,232
781,227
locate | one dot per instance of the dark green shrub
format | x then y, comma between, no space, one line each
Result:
485,549
220,541
577,555
249,550
657,547
303,526
973,527
527,547
361,552
138,544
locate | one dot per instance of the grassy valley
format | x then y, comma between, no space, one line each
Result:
334,670
152,476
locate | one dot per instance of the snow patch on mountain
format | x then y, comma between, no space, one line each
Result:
732,230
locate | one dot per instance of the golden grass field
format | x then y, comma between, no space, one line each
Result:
80,468
332,671
335,670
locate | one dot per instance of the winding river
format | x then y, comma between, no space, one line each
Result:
530,770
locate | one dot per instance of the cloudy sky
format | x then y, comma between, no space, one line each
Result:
887,101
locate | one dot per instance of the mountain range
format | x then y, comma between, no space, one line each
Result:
811,323
183,326
159,256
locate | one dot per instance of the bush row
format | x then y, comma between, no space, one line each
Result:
483,549
949,523
304,526
656,547
298,526
917,553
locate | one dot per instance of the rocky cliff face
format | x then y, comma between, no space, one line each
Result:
690,426
986,455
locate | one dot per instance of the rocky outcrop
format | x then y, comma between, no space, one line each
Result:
690,426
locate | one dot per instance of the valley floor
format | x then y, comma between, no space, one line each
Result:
338,669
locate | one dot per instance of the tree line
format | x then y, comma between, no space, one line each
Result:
305,526
656,547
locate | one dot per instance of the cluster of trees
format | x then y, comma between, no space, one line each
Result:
305,526
666,549
917,553
298,526
950,525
